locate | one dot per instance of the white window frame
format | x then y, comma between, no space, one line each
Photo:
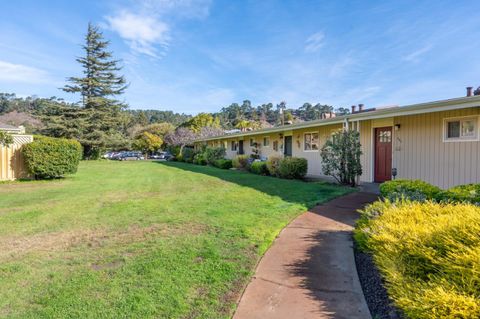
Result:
461,119
252,142
304,144
234,143
266,138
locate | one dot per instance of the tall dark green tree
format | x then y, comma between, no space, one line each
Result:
100,83
101,113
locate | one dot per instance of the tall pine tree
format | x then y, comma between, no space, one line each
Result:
101,117
100,82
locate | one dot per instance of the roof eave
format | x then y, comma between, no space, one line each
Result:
429,107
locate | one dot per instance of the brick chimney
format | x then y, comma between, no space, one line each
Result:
469,90
353,108
360,107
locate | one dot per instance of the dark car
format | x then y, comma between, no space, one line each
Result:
131,156
166,156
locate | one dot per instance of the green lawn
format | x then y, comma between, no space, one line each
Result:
140,239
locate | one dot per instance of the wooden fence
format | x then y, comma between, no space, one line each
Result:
12,165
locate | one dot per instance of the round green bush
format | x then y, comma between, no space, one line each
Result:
293,168
48,157
240,162
199,159
273,165
469,193
211,154
410,189
223,163
259,168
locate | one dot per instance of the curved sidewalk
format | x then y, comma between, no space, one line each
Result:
309,272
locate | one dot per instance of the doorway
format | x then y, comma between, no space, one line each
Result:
383,154
287,146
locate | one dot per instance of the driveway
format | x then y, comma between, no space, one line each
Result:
309,272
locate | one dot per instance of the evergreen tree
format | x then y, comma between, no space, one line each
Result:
101,81
101,116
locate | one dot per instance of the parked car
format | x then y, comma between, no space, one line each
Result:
166,156
155,156
131,156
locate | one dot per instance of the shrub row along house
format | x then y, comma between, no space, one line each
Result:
12,164
438,142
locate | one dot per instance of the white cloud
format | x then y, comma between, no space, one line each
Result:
414,56
11,72
314,42
198,9
144,25
143,33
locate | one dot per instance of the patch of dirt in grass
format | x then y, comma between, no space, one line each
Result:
13,247
17,186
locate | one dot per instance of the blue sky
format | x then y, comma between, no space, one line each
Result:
200,55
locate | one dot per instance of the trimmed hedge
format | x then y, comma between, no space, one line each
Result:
259,168
428,254
273,165
48,157
410,189
240,161
223,163
211,154
293,168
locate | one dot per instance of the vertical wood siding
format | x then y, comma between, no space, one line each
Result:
419,151
366,158
12,164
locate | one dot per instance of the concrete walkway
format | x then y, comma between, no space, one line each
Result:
309,272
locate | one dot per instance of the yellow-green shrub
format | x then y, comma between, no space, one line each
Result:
429,256
240,161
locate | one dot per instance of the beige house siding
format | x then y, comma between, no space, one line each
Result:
229,153
419,151
313,157
12,164
366,158
268,151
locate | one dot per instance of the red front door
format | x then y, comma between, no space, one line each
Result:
383,154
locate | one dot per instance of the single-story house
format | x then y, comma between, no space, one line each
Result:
12,165
438,142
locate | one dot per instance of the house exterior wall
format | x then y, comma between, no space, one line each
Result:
419,151
366,159
313,157
418,147
12,164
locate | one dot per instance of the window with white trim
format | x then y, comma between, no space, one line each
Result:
234,146
252,142
266,141
310,142
461,129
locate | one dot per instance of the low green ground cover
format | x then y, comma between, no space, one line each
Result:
140,239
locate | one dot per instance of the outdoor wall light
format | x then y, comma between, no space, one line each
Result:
397,127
